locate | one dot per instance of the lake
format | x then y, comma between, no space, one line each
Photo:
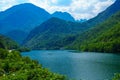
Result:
82,65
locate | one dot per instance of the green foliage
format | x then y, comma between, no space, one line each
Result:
23,49
105,37
7,43
51,34
63,15
15,67
103,16
116,77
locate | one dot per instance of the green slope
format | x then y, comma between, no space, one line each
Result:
104,37
53,33
47,35
101,17
15,67
7,43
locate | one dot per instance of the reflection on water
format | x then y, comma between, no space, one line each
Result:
84,65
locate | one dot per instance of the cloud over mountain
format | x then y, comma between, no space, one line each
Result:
77,8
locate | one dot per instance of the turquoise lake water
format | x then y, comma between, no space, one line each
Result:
82,65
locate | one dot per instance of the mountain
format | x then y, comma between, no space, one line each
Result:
22,17
104,37
7,43
19,20
63,15
48,33
24,68
25,17
54,33
81,20
101,17
17,35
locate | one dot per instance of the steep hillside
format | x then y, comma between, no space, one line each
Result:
15,67
63,15
104,37
22,17
51,33
45,35
25,17
17,35
7,43
101,17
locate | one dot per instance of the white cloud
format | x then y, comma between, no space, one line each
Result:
77,8
102,6
88,8
4,4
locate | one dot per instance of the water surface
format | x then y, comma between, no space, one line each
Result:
83,65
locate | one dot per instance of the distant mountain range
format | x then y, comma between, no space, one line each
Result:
17,35
7,43
53,31
63,15
81,20
24,18
104,37
115,7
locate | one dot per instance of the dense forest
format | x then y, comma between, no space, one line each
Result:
55,33
15,67
52,31
49,33
104,37
7,43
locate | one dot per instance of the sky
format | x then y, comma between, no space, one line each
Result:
79,9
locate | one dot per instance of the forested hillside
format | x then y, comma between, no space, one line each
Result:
17,35
101,17
104,37
63,15
15,67
7,43
49,33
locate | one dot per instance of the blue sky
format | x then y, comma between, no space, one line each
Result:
79,9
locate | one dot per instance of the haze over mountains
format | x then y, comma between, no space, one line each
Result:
26,26
104,37
25,17
37,29
7,43
52,30
105,14
21,18
63,15
54,39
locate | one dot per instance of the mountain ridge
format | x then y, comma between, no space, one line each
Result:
49,33
101,38
7,43
63,15
102,16
23,17
50,30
